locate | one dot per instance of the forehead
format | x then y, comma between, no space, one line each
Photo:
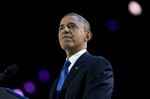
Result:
70,19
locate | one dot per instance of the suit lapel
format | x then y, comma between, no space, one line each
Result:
76,67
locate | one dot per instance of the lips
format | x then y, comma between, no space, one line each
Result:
66,37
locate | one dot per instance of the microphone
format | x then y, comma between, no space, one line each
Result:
9,71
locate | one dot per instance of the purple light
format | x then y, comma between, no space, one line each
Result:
29,87
112,25
18,91
44,75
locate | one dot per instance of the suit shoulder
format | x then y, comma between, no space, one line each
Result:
99,60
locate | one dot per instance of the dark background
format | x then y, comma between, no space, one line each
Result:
28,38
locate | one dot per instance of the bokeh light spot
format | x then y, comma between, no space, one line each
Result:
18,91
112,25
134,8
44,75
29,87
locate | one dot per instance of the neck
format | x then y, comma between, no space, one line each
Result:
72,52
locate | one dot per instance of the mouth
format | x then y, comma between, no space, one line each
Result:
66,37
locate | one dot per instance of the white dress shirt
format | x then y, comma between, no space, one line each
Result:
75,57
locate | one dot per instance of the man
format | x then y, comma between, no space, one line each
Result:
89,76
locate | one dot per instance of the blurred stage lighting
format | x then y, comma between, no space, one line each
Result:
29,87
112,25
44,75
134,8
17,90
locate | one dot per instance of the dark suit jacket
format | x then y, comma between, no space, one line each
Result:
91,77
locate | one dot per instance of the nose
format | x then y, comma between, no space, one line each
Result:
66,30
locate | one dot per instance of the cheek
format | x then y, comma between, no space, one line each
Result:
59,36
80,37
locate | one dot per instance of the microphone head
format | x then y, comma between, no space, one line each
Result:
11,70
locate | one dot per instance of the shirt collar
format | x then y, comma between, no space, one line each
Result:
74,57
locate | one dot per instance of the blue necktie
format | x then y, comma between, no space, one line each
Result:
63,75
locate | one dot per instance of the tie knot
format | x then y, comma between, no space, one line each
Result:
67,63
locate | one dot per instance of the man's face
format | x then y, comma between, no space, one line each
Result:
71,33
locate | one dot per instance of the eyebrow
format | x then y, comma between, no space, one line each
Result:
61,25
71,23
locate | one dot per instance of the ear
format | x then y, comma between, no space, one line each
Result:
88,36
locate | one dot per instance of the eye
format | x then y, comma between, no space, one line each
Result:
61,27
72,26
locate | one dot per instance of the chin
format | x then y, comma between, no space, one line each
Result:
66,47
